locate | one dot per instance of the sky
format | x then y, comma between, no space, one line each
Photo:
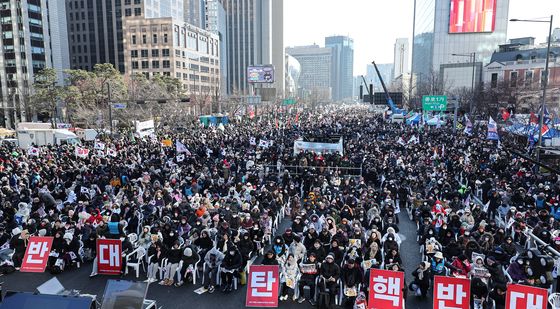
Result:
375,24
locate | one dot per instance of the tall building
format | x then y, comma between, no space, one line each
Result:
444,28
386,71
33,38
255,36
169,47
95,28
316,68
216,23
195,12
343,66
400,58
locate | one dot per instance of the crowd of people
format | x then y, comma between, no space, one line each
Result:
202,215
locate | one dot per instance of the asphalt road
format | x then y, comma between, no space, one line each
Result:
172,297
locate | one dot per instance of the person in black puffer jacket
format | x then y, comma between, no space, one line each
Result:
230,267
173,258
330,272
351,276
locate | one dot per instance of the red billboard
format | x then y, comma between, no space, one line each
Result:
262,286
468,16
386,289
523,296
37,254
451,292
109,256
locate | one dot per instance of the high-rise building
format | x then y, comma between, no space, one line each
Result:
462,27
95,28
316,68
165,46
400,58
216,24
195,12
386,71
255,34
33,38
343,66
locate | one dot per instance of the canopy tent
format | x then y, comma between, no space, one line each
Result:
414,119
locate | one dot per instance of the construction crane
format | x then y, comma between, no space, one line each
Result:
394,109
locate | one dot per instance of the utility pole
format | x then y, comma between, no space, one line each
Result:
110,108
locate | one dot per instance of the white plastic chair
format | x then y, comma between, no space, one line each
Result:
554,300
140,252
133,237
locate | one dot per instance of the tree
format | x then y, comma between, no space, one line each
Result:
46,93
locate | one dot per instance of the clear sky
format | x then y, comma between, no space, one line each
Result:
375,24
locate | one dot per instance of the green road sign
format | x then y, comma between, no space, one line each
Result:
434,103
289,102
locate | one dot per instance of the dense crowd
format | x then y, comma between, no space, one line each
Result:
204,217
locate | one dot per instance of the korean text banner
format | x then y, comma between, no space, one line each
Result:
37,254
523,296
109,256
262,286
386,289
451,292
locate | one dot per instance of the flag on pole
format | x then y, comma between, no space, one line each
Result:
492,130
99,146
111,152
468,126
81,152
263,143
33,151
180,147
252,141
100,153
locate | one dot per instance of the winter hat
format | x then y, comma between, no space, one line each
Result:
330,255
187,252
68,236
42,232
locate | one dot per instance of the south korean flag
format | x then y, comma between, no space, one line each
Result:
99,146
180,158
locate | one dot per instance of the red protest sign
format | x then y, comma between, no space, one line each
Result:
522,296
452,293
109,256
263,285
386,289
36,254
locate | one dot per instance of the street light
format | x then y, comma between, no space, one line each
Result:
473,56
544,76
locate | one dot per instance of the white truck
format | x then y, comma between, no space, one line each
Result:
41,134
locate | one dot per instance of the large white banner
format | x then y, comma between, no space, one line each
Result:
318,147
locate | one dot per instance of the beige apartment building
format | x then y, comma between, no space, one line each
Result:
169,47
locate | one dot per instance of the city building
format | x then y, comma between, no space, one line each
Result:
343,66
95,28
461,27
316,69
516,70
33,38
169,47
386,71
195,12
216,23
255,34
400,58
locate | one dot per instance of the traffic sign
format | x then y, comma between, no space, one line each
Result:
256,99
119,105
434,103
289,102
